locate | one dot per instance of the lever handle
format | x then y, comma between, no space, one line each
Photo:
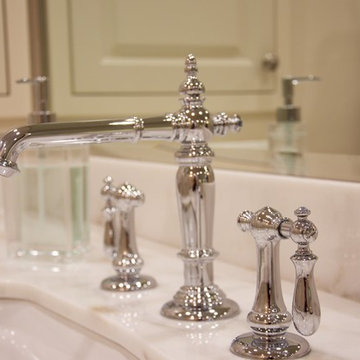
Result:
306,307
223,123
127,261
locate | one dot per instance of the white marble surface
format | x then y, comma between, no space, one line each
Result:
134,321
29,332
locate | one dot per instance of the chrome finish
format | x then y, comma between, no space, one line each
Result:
93,132
199,298
191,122
269,318
81,132
192,126
126,259
41,113
287,346
306,306
109,214
223,123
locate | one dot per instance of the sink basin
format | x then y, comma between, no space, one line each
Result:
29,332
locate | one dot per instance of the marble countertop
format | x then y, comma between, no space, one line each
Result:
134,321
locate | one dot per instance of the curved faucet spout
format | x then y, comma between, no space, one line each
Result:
191,125
170,127
81,132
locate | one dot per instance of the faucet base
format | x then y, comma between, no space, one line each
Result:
288,346
121,283
196,303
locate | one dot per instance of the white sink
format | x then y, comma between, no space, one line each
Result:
29,332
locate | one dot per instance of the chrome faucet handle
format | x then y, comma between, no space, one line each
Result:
306,306
109,214
127,261
269,318
223,123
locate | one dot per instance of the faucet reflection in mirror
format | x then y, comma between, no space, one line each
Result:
199,298
269,318
287,137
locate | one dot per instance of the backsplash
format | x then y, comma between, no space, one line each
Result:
334,207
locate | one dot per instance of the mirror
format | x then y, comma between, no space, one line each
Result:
88,39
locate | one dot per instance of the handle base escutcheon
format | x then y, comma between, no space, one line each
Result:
199,303
120,283
288,346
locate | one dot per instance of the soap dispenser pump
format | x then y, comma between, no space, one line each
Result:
46,210
287,135
41,113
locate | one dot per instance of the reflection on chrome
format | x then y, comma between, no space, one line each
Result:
269,318
200,333
199,299
121,240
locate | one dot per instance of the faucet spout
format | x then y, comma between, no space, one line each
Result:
191,125
81,132
199,298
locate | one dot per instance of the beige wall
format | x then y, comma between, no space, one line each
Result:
17,101
325,40
320,37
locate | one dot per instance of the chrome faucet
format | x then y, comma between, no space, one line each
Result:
192,126
269,318
199,298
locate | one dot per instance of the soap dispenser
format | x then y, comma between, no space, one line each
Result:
46,209
287,135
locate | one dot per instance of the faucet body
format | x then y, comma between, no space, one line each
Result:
199,298
269,318
192,126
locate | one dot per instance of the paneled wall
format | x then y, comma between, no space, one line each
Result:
15,100
325,38
120,57
103,62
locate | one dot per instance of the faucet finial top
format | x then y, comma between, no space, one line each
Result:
129,194
191,65
303,230
192,88
302,212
